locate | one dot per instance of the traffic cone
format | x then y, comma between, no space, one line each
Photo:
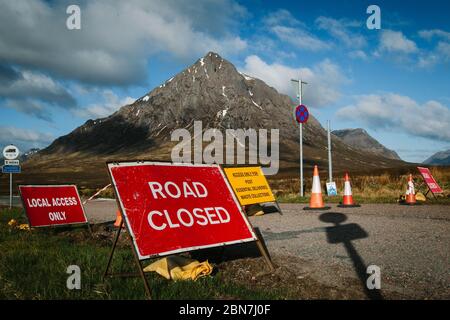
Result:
316,201
347,201
118,220
410,198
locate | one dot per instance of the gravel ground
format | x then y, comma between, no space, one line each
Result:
411,245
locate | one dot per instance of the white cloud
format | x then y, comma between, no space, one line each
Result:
396,42
340,30
400,113
429,34
290,30
324,79
23,138
443,48
358,54
300,38
440,54
116,37
109,104
281,17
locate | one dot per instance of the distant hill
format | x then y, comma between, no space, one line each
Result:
360,139
441,158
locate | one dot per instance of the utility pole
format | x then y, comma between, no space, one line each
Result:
300,84
330,167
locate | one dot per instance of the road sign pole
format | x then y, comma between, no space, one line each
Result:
300,93
301,159
300,84
330,168
10,191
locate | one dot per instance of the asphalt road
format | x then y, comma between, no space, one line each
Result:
411,245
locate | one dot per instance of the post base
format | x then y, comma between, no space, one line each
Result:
312,209
348,205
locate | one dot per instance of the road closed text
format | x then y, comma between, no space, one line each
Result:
162,219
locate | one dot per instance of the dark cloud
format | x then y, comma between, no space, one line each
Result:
116,37
31,85
8,75
32,93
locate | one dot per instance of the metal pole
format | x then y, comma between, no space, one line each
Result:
301,139
330,168
299,96
301,159
10,191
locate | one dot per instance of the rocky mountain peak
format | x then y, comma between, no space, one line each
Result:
212,91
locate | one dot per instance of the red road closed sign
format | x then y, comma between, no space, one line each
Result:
429,180
170,208
52,205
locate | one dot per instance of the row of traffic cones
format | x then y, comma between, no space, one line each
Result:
316,200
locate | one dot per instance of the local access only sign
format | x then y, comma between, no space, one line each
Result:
52,205
170,208
250,185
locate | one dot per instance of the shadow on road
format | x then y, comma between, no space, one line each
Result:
229,253
345,234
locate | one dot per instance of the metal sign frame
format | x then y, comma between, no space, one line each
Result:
136,255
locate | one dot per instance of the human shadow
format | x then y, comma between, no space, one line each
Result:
345,234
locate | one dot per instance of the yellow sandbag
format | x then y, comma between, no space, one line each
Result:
24,226
420,197
254,210
180,268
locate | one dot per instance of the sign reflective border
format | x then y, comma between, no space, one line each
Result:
52,205
171,208
250,185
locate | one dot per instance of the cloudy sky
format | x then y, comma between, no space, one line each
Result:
394,82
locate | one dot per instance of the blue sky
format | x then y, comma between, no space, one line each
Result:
393,82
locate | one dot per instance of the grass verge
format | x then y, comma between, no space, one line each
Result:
33,265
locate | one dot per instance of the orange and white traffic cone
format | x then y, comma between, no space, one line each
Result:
316,201
347,201
118,220
410,198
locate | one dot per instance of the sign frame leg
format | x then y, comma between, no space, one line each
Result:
136,258
279,208
263,249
